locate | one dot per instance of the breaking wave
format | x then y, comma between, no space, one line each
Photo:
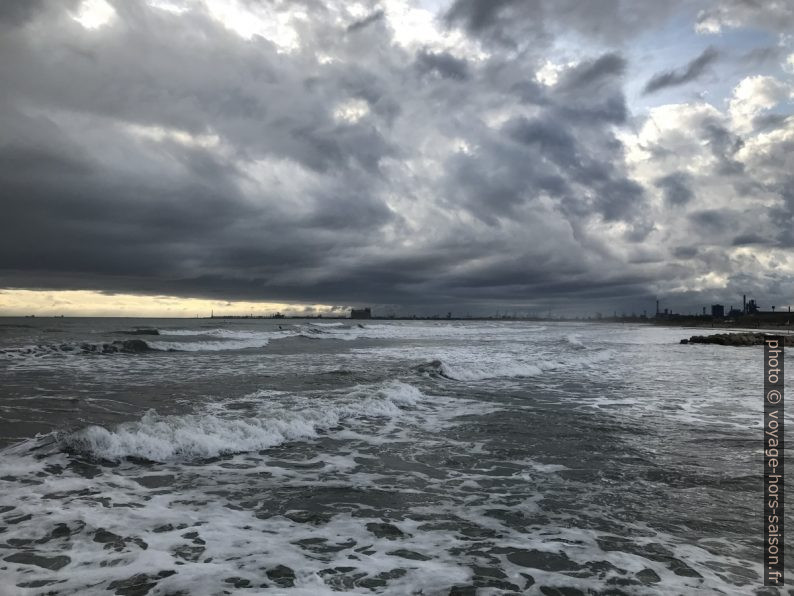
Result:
482,370
209,434
574,341
209,346
127,346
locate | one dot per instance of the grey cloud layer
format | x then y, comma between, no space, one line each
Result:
165,154
690,72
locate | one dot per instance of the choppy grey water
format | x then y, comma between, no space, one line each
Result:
310,457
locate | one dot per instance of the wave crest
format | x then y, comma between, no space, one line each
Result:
126,346
204,435
482,370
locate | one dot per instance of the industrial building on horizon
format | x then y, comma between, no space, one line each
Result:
718,311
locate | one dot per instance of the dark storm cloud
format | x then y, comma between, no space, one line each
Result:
685,252
713,220
676,188
567,152
723,145
477,14
515,23
551,139
17,12
749,239
442,63
680,76
165,154
592,74
360,24
769,121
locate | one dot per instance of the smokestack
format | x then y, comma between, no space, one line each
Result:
657,307
744,303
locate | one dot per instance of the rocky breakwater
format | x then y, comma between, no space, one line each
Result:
734,339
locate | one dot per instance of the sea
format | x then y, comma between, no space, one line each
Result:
309,457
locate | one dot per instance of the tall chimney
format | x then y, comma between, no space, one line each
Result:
744,304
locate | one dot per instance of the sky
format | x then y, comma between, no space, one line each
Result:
177,157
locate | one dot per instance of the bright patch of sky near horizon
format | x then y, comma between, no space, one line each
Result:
85,303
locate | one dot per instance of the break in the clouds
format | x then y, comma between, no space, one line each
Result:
417,156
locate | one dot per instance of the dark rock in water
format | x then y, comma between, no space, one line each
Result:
735,339
282,575
26,558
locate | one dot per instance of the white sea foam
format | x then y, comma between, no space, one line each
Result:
478,372
469,365
574,341
209,346
203,435
426,330
222,333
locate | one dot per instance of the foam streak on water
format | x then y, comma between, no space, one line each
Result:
322,457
